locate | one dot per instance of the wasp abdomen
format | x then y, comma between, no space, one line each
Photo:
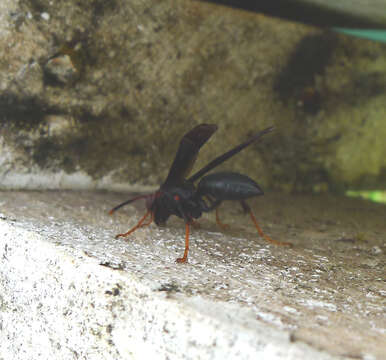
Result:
228,186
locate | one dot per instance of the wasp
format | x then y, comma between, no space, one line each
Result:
179,194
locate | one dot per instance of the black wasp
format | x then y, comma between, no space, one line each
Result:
180,196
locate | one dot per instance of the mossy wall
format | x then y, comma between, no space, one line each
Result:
107,89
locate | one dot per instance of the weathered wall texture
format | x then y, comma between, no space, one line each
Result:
97,93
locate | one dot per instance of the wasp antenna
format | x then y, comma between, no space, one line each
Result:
128,202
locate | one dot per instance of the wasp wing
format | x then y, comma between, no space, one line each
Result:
220,159
187,152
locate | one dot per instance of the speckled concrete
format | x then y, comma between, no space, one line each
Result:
69,290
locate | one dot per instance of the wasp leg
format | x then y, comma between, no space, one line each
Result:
185,257
219,223
149,222
214,204
260,231
140,224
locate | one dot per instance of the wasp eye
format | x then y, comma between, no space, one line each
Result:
176,197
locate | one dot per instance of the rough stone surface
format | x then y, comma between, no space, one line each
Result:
69,290
96,94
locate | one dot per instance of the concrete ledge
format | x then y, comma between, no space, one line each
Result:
69,290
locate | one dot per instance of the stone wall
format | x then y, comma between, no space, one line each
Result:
98,94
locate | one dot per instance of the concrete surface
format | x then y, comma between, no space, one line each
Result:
69,290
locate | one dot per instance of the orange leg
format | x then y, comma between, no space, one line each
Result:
185,257
140,224
149,222
266,237
219,223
